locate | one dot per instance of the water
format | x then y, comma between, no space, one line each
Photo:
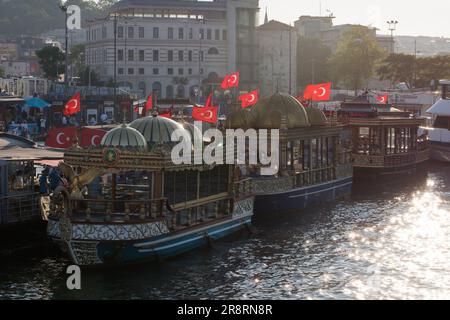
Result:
390,242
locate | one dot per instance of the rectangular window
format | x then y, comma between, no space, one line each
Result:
155,71
120,32
190,71
170,71
120,71
130,55
191,33
155,55
141,33
120,55
155,33
170,55
180,33
170,33
190,55
201,70
180,71
104,32
141,71
141,55
202,34
131,32
201,56
209,34
130,70
217,34
180,55
224,35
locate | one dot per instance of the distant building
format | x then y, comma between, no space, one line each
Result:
313,26
25,86
386,43
171,47
8,51
277,58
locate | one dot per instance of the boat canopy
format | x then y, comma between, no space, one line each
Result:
440,108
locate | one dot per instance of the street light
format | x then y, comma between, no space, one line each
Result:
392,27
64,8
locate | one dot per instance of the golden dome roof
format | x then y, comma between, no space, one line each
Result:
124,137
316,117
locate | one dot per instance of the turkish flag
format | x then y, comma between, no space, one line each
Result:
166,115
91,137
231,81
318,92
383,99
73,106
209,101
206,114
61,138
249,99
148,105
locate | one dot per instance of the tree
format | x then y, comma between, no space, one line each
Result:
51,60
312,63
77,59
398,68
356,56
2,72
94,78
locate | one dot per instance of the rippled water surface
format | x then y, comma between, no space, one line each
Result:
389,242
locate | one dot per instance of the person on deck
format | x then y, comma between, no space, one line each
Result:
43,182
55,179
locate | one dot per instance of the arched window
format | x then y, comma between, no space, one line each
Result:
213,50
157,89
181,92
169,92
213,76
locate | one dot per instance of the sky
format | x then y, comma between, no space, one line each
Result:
414,17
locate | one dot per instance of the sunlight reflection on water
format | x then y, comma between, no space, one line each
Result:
391,243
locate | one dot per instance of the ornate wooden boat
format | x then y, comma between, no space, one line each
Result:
314,166
127,202
385,141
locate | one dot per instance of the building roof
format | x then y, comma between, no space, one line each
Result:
125,137
274,25
124,4
440,108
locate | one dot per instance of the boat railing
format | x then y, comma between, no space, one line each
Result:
20,208
109,210
391,160
315,176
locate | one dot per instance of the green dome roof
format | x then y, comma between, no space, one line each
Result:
269,111
244,118
124,137
194,132
158,130
316,116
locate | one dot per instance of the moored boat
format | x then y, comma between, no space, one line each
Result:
314,166
127,202
439,132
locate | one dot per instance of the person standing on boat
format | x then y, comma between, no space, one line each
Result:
55,179
43,182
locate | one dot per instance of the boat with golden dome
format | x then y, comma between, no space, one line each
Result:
314,164
127,202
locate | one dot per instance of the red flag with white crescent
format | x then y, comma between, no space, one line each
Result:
231,81
73,106
206,114
318,92
91,137
383,99
61,138
209,101
249,99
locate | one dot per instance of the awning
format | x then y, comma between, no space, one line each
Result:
36,103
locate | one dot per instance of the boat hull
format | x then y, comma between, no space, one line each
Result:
100,245
440,151
303,197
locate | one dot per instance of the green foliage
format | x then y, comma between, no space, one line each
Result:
415,72
51,60
312,63
95,79
356,57
31,17
77,59
2,72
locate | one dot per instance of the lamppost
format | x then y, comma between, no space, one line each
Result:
392,27
201,56
64,8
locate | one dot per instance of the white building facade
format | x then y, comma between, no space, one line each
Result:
277,58
174,47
